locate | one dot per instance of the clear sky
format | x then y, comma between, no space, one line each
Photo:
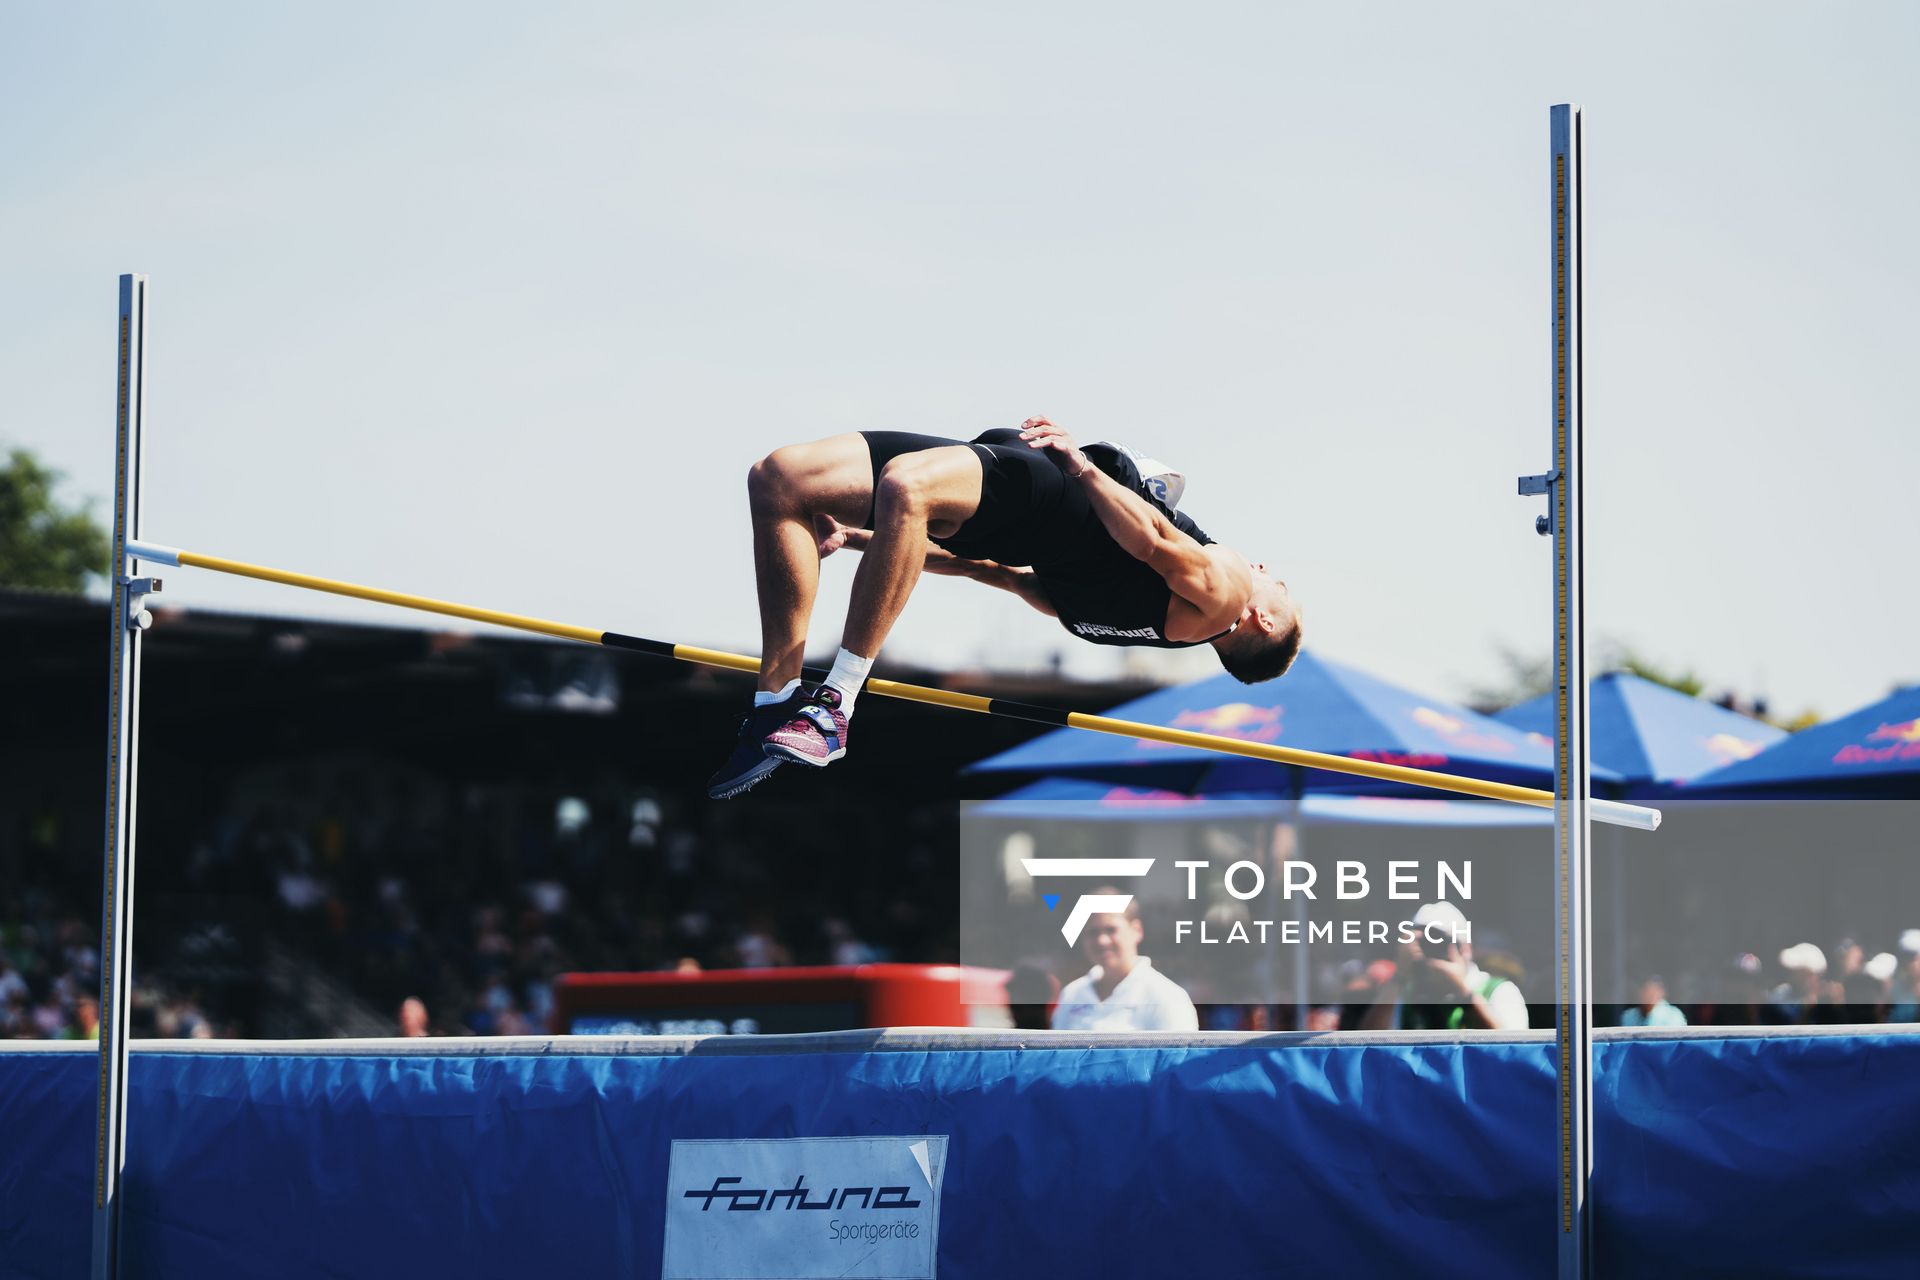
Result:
498,302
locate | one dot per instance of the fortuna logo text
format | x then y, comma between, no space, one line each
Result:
748,1199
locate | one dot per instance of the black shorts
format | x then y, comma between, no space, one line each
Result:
1028,509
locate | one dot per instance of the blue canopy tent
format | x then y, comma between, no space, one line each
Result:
1320,705
1651,735
1872,752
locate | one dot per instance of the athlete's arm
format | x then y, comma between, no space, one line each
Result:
1211,587
1020,582
1024,583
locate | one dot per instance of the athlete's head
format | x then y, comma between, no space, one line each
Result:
1267,639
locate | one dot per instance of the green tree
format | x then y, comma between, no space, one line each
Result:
42,543
1528,676
1621,658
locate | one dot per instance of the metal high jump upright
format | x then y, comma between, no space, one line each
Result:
1572,905
127,618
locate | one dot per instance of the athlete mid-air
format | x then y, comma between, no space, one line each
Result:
1078,534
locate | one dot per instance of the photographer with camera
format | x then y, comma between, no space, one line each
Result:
1437,986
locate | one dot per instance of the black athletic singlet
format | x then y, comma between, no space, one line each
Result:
1031,514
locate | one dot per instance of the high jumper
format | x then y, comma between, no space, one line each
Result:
1083,535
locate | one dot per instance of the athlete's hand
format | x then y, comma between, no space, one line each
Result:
832,535
1039,433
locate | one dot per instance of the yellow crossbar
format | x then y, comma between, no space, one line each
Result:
1613,811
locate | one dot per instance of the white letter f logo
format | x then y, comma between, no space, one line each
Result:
1089,905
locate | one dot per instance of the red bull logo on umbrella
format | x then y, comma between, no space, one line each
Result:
1729,747
1240,720
1135,798
1905,731
1406,759
1458,733
1902,739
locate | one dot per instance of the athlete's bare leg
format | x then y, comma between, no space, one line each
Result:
787,489
932,492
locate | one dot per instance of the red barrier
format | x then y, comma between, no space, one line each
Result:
776,1001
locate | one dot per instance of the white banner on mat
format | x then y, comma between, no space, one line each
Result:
804,1208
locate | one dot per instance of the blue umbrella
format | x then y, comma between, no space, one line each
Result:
1320,705
1648,733
1874,751
1084,800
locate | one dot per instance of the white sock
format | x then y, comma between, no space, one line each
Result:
848,674
767,697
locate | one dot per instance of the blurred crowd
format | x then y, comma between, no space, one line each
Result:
50,980
474,904
470,901
49,974
446,908
1843,984
1803,985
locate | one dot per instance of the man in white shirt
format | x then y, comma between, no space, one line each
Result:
1123,991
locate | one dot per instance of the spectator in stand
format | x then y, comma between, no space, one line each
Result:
1844,961
1904,999
49,1019
179,1018
491,1011
847,949
1123,991
1864,992
1360,983
758,947
16,1019
1653,1009
77,949
1031,990
1437,986
86,1018
1803,996
413,1017
12,985
1745,997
